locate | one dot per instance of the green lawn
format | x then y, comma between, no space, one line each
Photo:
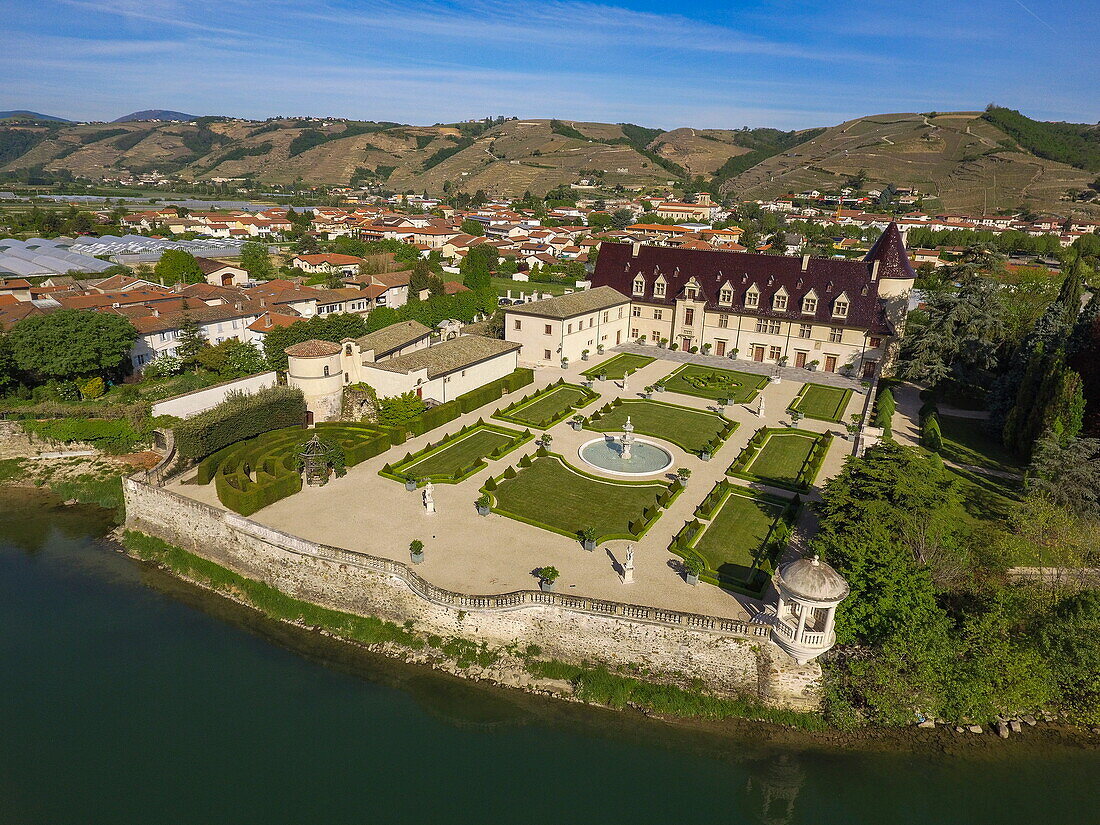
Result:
551,494
457,453
620,366
822,403
717,384
687,428
986,498
502,285
736,535
782,457
548,406
967,441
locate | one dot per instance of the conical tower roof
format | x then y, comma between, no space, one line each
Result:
889,251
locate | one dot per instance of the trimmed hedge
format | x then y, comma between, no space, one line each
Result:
806,475
239,418
494,390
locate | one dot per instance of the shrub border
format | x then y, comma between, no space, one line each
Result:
518,440
721,439
506,414
810,467
756,390
793,406
602,366
675,488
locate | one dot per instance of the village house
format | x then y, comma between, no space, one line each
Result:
567,326
220,273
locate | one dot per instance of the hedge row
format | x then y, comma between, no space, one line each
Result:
885,405
506,414
709,505
397,471
809,469
468,402
238,418
109,435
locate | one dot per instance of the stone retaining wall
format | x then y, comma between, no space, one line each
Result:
728,657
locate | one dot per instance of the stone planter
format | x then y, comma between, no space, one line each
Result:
589,545
647,395
775,379
482,511
410,486
546,587
417,558
705,456
812,367
584,356
691,578
576,425
603,377
729,402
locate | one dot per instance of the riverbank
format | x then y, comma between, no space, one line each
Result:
626,693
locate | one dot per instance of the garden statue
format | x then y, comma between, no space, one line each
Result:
429,500
760,411
628,565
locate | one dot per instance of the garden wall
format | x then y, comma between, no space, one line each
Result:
727,656
193,403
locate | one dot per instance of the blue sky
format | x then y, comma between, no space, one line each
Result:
784,63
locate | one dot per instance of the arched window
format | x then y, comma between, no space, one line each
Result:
326,369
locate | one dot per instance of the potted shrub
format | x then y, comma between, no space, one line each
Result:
853,427
783,361
599,349
694,350
705,453
564,363
813,365
658,387
588,538
483,503
641,339
603,376
733,353
410,483
674,347
847,369
576,422
796,416
648,392
584,355
693,568
706,349
662,343
416,551
546,440
547,577
683,474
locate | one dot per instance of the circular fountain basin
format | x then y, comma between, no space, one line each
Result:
606,455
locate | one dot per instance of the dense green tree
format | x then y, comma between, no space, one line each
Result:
256,261
621,219
70,343
472,227
191,341
396,410
333,328
1067,638
178,266
1084,358
1068,470
477,266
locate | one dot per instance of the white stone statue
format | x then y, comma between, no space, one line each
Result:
760,411
625,387
429,499
628,565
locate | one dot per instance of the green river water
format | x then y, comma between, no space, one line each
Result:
129,697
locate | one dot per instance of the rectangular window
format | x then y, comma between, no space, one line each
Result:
805,331
723,321
692,293
633,333
606,317
516,324
835,335
546,355
656,336
752,299
875,342
658,314
779,303
769,327
725,296
840,309
569,329
548,330
689,316
809,306
774,353
620,312
639,286
659,290
636,312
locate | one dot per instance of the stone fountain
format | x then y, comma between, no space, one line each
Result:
626,440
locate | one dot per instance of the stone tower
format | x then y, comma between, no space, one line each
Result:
314,367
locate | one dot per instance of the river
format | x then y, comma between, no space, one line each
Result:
129,697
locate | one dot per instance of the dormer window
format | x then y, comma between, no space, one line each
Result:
752,297
725,295
809,304
639,285
659,288
779,301
840,307
691,293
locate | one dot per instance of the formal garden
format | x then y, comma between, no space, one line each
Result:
735,537
821,403
457,456
619,366
548,406
696,431
714,383
547,492
787,458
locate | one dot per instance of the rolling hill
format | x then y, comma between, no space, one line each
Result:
154,114
23,114
965,159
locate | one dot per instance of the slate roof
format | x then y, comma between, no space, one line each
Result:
448,356
576,303
828,278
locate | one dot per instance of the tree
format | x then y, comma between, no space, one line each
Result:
472,227
177,266
477,266
621,219
256,261
70,344
1068,471
1066,637
599,220
191,341
1084,355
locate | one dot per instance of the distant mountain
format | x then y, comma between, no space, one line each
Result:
155,114
23,113
966,161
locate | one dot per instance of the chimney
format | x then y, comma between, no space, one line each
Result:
805,262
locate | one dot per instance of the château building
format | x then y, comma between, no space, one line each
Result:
822,313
